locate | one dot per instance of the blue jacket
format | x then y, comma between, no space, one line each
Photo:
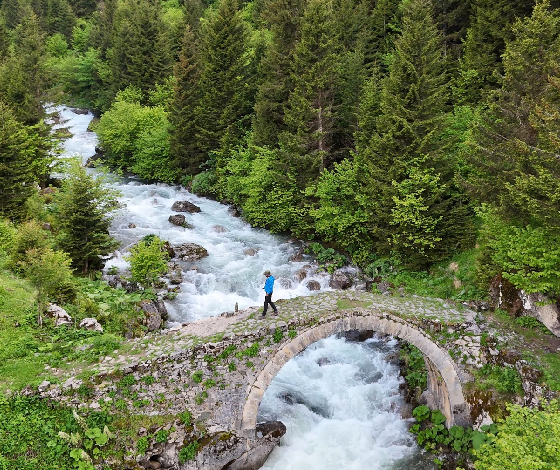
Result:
269,284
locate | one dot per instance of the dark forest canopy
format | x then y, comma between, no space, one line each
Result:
406,130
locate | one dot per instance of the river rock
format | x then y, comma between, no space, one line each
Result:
313,285
131,225
90,324
46,226
385,287
340,280
298,256
219,229
323,361
80,111
234,212
185,206
189,252
177,219
301,274
48,191
251,251
284,282
59,315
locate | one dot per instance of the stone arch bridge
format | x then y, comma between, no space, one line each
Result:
219,369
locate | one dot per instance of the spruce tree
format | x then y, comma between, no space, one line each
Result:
223,111
309,113
490,29
184,146
515,148
418,213
283,16
453,18
140,55
4,38
16,156
23,73
84,209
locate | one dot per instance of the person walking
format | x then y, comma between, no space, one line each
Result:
268,288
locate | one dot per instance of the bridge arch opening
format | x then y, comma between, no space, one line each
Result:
444,386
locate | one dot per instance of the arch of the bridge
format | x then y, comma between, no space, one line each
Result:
443,382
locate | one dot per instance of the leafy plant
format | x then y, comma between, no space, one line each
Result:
162,435
142,445
328,258
186,418
188,452
197,376
148,260
277,335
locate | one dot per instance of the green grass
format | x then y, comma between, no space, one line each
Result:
438,282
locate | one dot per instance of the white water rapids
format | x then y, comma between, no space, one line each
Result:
342,414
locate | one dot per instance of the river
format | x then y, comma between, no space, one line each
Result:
338,399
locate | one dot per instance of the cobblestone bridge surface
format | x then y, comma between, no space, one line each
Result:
219,368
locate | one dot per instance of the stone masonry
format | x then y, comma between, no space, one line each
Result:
219,368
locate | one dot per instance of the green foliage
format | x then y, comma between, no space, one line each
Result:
148,260
529,256
25,157
136,137
188,452
142,445
197,376
527,438
199,399
327,257
204,183
415,372
278,335
29,434
162,436
186,418
83,212
503,379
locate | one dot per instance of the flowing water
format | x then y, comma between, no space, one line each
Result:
342,414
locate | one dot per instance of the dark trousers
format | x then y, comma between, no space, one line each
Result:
268,300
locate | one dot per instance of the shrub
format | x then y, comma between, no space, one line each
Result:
204,183
188,452
527,439
148,260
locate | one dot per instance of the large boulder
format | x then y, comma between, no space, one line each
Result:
90,324
59,315
189,252
184,206
155,313
268,435
543,309
251,251
219,229
340,280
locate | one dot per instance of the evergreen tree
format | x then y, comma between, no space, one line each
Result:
417,209
452,18
4,38
184,146
486,38
83,8
13,11
309,113
283,17
58,18
23,74
140,55
223,111
16,155
515,149
83,216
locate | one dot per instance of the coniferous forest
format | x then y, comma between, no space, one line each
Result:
401,133
394,130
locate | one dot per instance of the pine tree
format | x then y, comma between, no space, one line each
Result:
417,208
16,156
309,113
59,18
515,148
13,11
283,16
452,18
140,55
223,111
486,39
184,146
83,216
4,38
23,74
